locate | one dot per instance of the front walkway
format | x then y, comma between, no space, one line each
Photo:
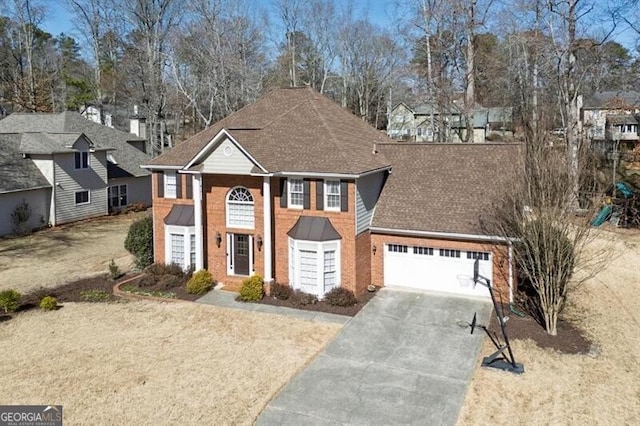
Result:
404,359
227,299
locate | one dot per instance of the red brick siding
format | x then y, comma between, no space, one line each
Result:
343,222
499,252
363,261
161,208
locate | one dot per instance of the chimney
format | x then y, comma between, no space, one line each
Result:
137,124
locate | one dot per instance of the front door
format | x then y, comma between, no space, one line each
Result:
240,254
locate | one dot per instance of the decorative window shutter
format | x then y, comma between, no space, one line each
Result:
344,196
179,185
189,187
160,185
319,195
307,194
283,193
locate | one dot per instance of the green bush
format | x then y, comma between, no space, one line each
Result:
9,300
139,242
200,283
299,298
252,289
48,303
114,270
340,296
281,291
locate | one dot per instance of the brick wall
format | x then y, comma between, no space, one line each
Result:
363,262
499,254
343,222
161,208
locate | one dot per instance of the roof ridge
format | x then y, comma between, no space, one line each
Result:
277,118
328,129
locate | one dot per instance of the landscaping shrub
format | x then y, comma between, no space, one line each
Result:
300,298
200,283
20,218
95,296
139,242
160,269
252,289
114,271
9,300
48,303
147,281
167,282
135,207
281,291
340,296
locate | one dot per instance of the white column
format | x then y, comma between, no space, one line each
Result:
197,213
266,237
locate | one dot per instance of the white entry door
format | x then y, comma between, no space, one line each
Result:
435,269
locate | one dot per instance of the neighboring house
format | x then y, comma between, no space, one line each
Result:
89,169
414,124
610,119
300,191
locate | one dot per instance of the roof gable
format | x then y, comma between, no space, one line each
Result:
17,173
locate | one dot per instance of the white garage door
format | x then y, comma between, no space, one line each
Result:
431,268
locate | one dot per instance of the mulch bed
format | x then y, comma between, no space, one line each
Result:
569,340
71,292
321,306
180,292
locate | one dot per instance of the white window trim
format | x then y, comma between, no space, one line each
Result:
88,197
289,185
227,211
186,231
252,268
174,192
320,248
326,196
88,160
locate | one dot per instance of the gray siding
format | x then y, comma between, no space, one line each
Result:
138,188
227,158
38,199
367,192
68,181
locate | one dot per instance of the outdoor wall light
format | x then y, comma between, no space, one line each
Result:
218,239
259,242
374,249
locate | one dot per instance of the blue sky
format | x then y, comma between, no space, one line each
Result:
378,11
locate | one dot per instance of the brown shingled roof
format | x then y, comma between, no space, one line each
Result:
443,187
293,130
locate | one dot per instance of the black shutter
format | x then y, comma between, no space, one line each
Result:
189,187
307,194
179,185
160,184
319,194
344,196
283,193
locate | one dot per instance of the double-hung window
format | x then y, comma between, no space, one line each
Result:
296,193
81,159
170,185
332,195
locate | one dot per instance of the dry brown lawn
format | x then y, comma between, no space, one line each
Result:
143,363
600,388
66,253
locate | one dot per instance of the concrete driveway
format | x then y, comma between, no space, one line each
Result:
402,360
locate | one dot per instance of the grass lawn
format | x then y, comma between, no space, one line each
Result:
153,363
599,388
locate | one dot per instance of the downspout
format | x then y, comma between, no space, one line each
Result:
197,213
52,209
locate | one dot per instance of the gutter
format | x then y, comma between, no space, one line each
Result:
154,167
446,235
26,189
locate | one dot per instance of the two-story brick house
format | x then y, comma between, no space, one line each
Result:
300,191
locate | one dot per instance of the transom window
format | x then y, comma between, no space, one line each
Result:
170,185
82,197
396,248
296,192
450,253
477,255
81,160
332,194
423,250
240,208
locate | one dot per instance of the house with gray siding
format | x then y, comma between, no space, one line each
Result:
67,168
